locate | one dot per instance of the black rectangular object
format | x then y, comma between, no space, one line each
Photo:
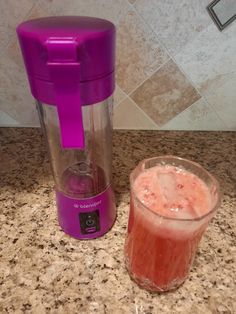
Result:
89,222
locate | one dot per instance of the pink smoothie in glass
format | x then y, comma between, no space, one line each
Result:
164,230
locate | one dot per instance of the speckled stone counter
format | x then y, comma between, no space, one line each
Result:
42,270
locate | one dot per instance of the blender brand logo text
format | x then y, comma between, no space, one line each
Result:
94,204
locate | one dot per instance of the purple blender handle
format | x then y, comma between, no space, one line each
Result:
63,64
70,62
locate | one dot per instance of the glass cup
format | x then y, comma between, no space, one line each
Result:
159,249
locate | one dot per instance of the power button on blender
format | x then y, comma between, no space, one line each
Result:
89,222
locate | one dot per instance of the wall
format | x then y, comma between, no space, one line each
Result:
175,69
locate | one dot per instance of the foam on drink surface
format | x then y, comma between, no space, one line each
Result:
172,192
162,240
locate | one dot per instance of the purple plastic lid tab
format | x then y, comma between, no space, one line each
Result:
70,63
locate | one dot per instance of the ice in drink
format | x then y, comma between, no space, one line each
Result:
169,211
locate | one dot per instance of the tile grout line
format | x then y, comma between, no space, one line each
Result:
129,94
187,119
143,112
170,58
139,109
193,85
179,66
215,111
157,34
160,44
132,8
118,103
12,36
154,32
147,78
197,88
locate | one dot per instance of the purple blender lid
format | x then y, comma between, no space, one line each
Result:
70,62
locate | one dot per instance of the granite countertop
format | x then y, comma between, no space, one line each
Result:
42,270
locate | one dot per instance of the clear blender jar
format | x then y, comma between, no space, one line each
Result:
70,66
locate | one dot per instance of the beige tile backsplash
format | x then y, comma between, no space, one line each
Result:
135,119
175,70
12,12
165,94
139,52
176,22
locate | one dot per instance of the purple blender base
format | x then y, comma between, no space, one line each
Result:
87,218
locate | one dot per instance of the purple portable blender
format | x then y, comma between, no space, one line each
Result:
70,66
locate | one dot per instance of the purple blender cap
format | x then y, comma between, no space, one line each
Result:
70,63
